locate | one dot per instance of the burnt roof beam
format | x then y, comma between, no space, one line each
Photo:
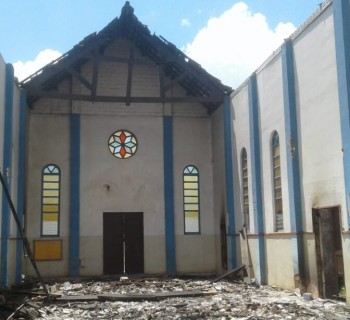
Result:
79,77
130,72
124,99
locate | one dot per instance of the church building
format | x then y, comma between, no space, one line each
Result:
124,156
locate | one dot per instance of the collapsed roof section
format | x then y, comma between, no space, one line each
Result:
173,64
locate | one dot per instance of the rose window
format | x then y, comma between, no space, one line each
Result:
122,144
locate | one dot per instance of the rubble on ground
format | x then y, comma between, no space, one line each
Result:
202,299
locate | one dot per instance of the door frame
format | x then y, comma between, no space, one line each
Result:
330,264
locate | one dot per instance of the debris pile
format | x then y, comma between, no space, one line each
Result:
166,298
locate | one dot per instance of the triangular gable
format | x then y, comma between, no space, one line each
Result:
173,65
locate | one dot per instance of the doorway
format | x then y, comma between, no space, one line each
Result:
329,257
123,243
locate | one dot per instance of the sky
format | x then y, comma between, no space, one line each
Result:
229,38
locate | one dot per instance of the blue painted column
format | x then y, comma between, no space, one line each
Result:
74,218
231,232
6,171
292,156
258,211
341,16
169,194
22,152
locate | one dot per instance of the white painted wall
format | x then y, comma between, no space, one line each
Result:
322,182
135,184
193,145
322,168
322,164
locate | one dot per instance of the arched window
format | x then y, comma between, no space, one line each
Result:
50,200
277,182
245,189
191,199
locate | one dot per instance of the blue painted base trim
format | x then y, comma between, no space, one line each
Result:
232,250
7,167
74,219
169,195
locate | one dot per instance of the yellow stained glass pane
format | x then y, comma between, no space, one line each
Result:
191,214
51,177
50,200
191,200
192,193
50,208
51,185
276,162
190,178
277,172
278,206
190,185
278,193
276,151
278,182
191,207
50,193
50,217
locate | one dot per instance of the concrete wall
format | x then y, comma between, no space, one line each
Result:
320,149
135,184
322,171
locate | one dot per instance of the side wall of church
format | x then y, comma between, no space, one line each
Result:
320,147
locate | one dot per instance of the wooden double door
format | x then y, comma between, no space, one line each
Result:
123,243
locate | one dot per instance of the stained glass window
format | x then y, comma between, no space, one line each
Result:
50,206
191,199
245,189
277,182
122,144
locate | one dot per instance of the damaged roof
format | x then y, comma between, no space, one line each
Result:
173,64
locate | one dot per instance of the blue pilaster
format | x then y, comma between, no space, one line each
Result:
74,218
20,180
169,194
292,156
258,212
232,254
6,171
341,16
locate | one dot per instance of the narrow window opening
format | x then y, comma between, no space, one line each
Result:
191,200
50,200
277,182
245,190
